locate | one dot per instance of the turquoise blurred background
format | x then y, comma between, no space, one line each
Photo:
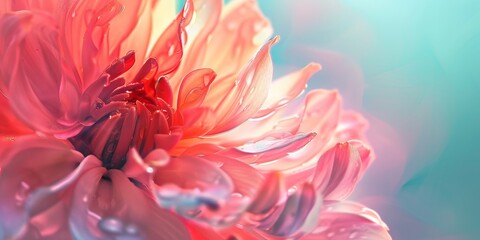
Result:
412,67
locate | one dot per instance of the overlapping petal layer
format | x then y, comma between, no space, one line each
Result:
127,120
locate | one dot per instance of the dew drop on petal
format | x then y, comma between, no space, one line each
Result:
110,225
131,229
22,193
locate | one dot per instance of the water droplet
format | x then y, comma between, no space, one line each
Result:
131,229
22,193
110,225
73,14
171,50
237,195
292,190
353,235
149,169
330,234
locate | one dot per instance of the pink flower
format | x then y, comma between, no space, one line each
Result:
121,120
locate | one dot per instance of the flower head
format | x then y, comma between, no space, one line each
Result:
123,120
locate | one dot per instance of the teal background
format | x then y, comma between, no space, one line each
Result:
412,67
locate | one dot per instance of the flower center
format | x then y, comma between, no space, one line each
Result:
126,115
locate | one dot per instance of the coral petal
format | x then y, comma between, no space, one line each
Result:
286,89
248,93
194,88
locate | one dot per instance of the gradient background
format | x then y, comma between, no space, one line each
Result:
412,67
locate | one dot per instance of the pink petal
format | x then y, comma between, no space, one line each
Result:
194,88
31,53
352,125
270,193
51,221
247,95
338,171
245,178
15,5
189,182
32,163
366,154
88,34
81,220
271,148
10,125
104,209
152,221
346,220
300,211
320,115
287,88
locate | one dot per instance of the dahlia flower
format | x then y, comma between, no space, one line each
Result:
127,120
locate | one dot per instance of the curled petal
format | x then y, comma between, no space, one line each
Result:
32,163
366,154
338,171
107,209
347,220
299,214
194,88
245,178
320,115
247,94
31,55
164,90
286,89
271,148
198,30
88,36
269,194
